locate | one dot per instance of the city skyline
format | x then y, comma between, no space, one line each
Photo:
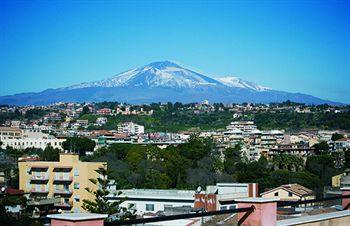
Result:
289,46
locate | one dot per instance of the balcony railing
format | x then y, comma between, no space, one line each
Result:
63,192
63,179
39,168
62,168
247,210
63,204
39,190
39,178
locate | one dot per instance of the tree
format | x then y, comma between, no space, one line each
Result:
79,145
287,162
85,111
196,148
50,154
320,147
321,165
232,157
337,136
347,159
100,204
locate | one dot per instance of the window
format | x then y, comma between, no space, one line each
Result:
77,198
232,207
167,206
290,194
149,207
29,186
276,193
223,207
76,185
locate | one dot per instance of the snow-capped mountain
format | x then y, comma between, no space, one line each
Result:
157,74
162,82
240,83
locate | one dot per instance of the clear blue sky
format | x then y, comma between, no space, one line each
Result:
297,46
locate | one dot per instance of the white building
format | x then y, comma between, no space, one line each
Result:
101,120
130,128
342,143
22,139
244,126
154,200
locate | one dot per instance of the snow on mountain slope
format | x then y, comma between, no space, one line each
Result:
240,83
157,74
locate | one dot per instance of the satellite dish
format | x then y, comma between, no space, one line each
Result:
199,189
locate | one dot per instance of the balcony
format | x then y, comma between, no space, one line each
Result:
63,192
64,205
63,179
62,168
39,168
39,179
39,190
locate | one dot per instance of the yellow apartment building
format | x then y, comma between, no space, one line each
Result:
65,180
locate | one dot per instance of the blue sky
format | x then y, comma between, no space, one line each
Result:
297,46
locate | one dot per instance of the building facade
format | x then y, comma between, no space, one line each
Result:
130,128
64,180
27,138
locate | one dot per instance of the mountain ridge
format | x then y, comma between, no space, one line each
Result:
162,81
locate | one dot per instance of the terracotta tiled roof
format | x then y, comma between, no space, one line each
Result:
298,189
10,129
13,191
343,139
294,188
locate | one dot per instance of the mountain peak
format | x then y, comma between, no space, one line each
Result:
163,64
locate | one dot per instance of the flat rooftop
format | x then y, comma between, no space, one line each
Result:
157,193
77,216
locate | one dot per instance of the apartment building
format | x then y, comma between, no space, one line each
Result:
291,149
64,180
245,126
130,128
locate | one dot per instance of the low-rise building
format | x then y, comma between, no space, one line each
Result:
342,143
154,200
289,192
104,111
146,201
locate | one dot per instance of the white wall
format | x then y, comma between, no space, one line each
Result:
140,206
